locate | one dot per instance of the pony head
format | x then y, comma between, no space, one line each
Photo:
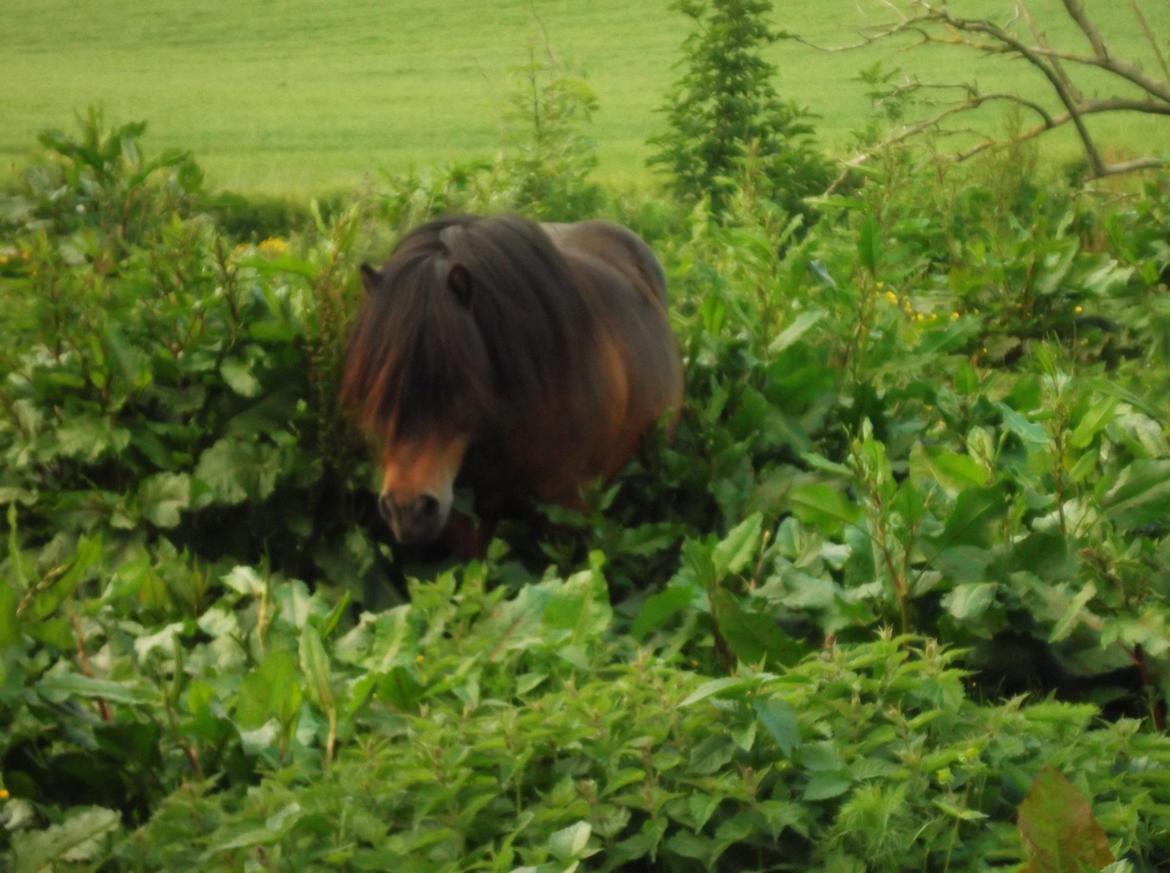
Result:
462,331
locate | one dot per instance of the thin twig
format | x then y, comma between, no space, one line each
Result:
1145,25
83,659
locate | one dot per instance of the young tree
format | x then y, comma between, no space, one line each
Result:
725,105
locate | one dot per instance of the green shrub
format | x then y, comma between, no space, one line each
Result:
724,112
517,733
929,412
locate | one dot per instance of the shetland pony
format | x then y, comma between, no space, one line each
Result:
522,360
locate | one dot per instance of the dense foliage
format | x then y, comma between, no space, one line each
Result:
893,597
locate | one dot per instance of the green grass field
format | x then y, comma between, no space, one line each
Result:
306,96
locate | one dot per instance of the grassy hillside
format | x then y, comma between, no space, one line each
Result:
303,96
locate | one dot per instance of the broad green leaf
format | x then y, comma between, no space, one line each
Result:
580,606
400,688
49,598
956,472
687,844
571,842
77,839
90,437
715,687
1058,828
736,550
271,691
799,327
239,377
648,539
1030,433
823,506
1054,267
1140,496
826,785
163,497
130,363
9,624
869,244
1048,554
315,665
657,609
234,470
779,720
1095,419
972,517
1072,613
753,636
244,580
711,754
517,624
65,686
970,600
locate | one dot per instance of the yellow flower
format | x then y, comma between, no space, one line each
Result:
891,296
274,245
418,659
1078,309
919,316
4,795
954,316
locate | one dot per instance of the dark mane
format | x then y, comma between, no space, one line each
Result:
472,321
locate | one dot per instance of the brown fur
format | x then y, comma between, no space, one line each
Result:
543,351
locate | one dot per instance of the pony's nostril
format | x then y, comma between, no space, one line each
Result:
428,507
386,508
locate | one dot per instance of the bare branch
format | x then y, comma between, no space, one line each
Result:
1145,25
933,22
1076,11
1042,42
1135,165
907,25
1058,84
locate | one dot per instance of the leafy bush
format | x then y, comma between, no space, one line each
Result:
164,383
921,471
469,729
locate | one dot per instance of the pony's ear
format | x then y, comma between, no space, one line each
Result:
371,278
459,281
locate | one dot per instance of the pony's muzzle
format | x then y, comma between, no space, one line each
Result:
415,519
